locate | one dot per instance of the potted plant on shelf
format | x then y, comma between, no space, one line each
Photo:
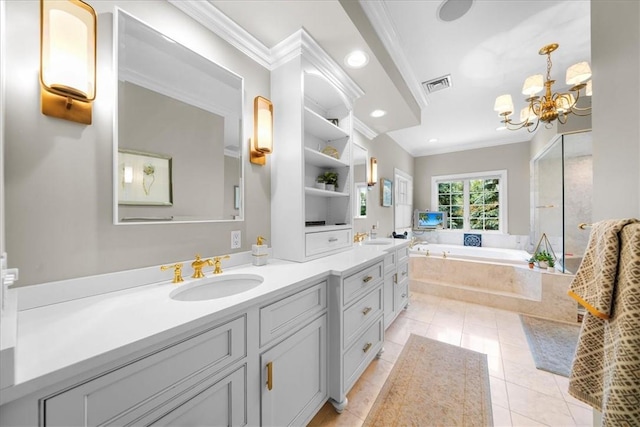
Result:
320,182
331,180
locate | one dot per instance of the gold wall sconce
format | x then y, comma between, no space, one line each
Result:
373,172
262,141
67,59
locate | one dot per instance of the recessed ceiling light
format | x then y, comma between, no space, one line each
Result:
499,128
433,140
378,113
356,59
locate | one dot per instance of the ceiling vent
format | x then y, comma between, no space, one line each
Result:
438,84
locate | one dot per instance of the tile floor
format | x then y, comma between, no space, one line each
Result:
521,395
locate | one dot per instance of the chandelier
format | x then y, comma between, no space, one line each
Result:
550,106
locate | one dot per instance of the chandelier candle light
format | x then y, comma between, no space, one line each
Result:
550,106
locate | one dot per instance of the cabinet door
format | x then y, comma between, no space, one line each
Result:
389,298
294,376
219,403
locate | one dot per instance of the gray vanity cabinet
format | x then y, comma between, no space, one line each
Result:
202,377
357,328
396,284
294,360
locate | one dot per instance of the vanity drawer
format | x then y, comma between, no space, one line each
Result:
403,254
403,272
389,262
364,349
121,396
360,282
325,241
291,312
361,314
401,297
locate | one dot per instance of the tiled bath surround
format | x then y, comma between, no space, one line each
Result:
508,287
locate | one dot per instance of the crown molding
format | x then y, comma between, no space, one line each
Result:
378,14
365,130
301,43
213,19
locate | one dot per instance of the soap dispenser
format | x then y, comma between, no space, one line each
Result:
374,232
259,252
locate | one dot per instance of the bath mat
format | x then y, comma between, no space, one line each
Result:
434,384
552,343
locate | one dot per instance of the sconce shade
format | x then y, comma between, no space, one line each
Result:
128,174
589,89
67,59
262,142
373,172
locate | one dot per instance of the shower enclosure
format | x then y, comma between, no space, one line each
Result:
562,184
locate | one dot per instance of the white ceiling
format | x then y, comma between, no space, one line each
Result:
488,51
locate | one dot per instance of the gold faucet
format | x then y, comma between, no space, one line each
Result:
197,266
359,237
217,269
413,242
177,271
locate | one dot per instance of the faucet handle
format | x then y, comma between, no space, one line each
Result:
217,263
177,271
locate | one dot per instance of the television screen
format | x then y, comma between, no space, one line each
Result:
426,220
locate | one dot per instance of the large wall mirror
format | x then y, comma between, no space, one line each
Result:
177,131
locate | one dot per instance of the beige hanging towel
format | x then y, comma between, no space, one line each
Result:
606,368
595,279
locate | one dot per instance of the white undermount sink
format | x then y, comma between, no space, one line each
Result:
376,242
216,287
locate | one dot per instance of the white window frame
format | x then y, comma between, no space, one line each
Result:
502,197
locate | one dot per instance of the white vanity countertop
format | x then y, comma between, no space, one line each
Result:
58,341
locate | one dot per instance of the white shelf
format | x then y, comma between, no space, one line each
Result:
321,160
311,191
317,125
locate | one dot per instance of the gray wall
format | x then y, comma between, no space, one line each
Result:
615,61
512,157
390,156
58,174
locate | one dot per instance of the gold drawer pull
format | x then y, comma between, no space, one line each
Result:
404,273
367,279
366,310
269,375
333,239
366,347
395,278
404,295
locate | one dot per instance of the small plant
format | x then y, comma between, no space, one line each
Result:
544,256
331,178
320,179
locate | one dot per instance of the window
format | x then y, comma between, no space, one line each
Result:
361,200
473,202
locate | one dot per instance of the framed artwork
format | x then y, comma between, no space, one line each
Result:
386,192
144,178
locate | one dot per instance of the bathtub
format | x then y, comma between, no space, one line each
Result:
494,277
499,255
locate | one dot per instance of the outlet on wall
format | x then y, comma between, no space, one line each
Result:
236,239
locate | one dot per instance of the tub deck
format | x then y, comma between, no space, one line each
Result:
505,286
